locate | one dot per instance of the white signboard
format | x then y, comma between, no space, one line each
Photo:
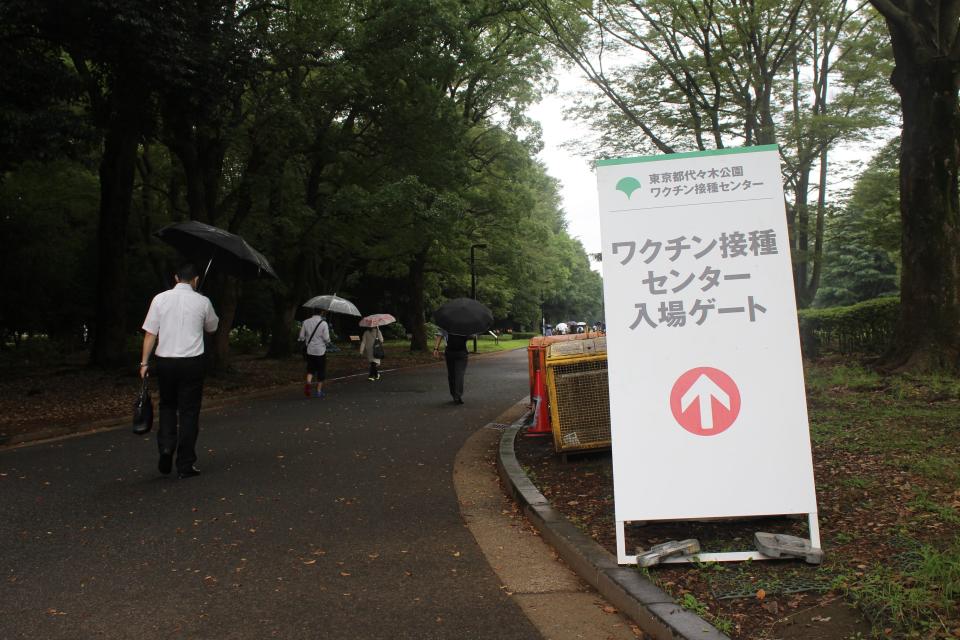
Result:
707,402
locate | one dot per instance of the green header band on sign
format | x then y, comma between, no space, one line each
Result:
688,154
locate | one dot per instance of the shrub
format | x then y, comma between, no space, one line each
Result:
523,336
865,327
244,340
33,350
395,331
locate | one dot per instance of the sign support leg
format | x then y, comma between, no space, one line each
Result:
814,525
622,557
727,556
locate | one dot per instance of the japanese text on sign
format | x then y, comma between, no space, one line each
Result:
699,182
674,312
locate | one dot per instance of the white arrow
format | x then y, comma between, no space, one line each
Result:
703,390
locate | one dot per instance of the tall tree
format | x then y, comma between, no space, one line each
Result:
926,48
363,146
862,246
679,75
118,50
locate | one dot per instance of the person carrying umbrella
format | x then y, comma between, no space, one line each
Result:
315,346
315,334
455,354
175,324
371,343
459,319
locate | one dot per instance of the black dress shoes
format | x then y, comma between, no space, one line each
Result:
166,462
188,473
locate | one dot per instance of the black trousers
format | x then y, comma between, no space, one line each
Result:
181,391
373,370
456,368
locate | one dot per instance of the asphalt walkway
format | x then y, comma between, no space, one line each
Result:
333,518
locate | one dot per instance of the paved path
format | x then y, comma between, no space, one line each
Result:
332,518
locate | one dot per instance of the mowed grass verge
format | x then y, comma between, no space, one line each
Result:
888,453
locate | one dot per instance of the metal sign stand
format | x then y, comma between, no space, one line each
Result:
727,556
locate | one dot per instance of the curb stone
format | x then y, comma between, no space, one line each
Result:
653,609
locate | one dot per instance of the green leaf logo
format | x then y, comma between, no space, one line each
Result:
628,185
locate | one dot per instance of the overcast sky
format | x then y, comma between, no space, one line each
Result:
578,183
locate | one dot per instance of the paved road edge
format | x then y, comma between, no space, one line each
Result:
653,609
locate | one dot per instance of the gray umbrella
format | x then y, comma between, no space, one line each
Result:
333,304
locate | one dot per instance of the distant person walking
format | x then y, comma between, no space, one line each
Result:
175,324
315,334
367,342
456,356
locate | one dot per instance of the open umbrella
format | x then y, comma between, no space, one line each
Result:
377,320
207,245
332,303
463,317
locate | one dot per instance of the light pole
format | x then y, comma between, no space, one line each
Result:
473,280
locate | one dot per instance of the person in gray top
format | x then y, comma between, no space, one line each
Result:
315,334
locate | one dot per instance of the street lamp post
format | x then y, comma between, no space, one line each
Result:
473,280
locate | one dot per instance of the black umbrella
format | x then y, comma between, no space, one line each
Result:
207,245
463,317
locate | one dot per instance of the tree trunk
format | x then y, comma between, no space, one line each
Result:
817,261
227,295
117,168
202,162
800,237
418,333
927,335
286,302
284,315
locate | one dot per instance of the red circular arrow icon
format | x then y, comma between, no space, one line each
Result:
705,401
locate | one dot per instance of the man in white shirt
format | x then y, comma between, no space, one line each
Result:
315,334
175,324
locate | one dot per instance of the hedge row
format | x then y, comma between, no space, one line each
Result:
865,327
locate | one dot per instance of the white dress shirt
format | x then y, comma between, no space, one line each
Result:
179,317
318,345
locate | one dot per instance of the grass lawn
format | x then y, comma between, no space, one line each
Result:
486,344
890,447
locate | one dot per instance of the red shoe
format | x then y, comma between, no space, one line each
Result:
307,389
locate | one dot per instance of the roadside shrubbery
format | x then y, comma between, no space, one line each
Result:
865,327
395,331
244,340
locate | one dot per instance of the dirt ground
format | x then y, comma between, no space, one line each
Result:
795,596
72,394
886,455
